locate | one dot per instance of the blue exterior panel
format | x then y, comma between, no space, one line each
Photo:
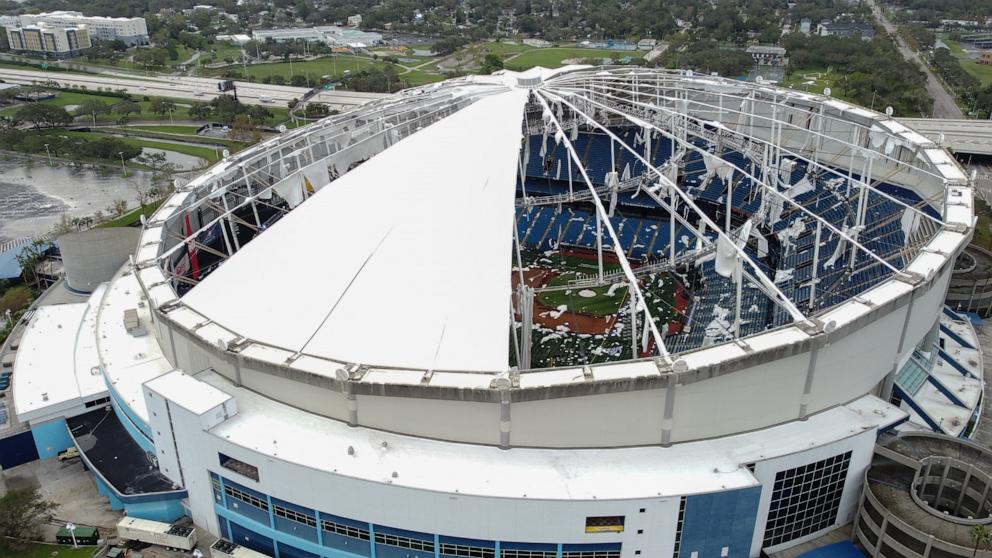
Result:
347,544
250,539
165,511
289,551
295,529
387,551
51,437
17,450
718,520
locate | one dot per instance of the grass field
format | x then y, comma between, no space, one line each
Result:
167,129
330,66
207,153
49,551
982,72
132,217
69,98
599,301
555,57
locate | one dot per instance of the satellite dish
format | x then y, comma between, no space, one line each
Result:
226,153
342,375
830,326
502,383
144,222
680,366
282,128
759,79
826,91
888,111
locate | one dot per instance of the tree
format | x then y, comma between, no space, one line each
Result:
93,107
42,114
118,207
125,108
980,536
22,512
151,57
316,110
491,64
162,107
298,81
242,129
199,111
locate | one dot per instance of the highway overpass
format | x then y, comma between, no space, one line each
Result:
961,136
190,88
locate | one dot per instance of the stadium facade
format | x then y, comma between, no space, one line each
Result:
581,313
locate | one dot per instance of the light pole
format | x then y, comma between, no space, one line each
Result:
71,527
121,153
49,151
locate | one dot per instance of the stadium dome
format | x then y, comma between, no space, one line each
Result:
573,313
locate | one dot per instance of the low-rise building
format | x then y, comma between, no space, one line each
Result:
537,43
647,44
355,20
846,29
130,30
43,39
985,57
328,34
767,55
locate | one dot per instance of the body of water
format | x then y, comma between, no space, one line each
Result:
34,196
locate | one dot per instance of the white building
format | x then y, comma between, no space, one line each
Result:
131,30
47,40
320,341
328,34
355,21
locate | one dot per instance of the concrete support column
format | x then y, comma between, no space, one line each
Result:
504,419
877,551
666,423
808,386
964,489
926,551
940,487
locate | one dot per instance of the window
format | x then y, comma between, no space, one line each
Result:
520,553
591,554
293,515
805,499
404,542
605,524
344,530
678,528
97,402
239,467
246,498
467,551
215,485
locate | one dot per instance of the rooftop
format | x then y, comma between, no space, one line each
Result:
48,381
114,454
452,311
286,433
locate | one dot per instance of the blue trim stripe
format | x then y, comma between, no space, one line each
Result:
907,399
946,392
957,338
950,360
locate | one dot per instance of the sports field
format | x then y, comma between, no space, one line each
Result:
590,324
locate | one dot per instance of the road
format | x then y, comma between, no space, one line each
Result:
944,105
962,136
191,88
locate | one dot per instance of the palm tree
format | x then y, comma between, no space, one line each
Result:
980,536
